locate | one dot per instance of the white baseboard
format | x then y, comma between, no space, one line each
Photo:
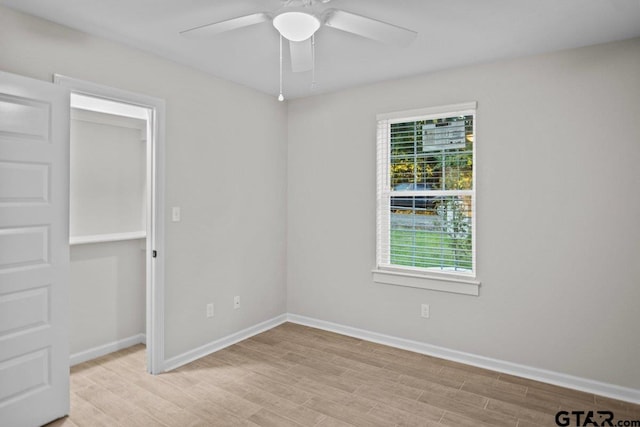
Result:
542,375
96,352
536,374
219,344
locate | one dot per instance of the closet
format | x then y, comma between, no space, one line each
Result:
107,224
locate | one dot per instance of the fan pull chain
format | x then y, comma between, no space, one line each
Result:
313,61
281,97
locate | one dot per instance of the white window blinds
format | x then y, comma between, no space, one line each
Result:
426,190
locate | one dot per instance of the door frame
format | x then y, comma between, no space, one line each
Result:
155,220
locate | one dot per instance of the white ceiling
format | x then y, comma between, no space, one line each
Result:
450,33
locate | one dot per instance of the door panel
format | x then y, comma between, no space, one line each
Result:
34,251
34,179
25,118
22,310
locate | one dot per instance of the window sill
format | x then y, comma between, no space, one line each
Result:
434,282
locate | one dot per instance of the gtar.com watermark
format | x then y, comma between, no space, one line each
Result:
592,418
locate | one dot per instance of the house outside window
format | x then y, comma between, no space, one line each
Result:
426,192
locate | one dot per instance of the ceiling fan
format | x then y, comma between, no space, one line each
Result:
298,20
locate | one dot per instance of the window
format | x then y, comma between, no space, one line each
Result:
426,192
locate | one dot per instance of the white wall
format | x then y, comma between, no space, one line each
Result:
108,160
222,139
558,140
107,293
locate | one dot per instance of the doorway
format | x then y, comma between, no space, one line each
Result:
116,217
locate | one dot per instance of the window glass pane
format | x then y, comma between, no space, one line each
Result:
414,205
432,154
432,232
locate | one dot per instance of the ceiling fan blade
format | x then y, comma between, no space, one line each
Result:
301,55
228,25
368,27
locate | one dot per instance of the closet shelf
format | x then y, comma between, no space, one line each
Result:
112,237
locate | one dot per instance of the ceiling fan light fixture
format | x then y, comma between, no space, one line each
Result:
296,26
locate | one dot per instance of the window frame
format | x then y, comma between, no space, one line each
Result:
395,274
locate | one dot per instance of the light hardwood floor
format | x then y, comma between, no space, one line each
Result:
294,375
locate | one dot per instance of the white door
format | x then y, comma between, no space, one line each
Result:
34,251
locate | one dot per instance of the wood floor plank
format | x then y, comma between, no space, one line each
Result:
397,388
216,415
385,398
335,344
333,422
259,357
329,379
159,408
456,420
521,412
336,360
321,366
497,391
345,413
400,417
166,391
284,391
397,355
465,373
238,406
253,363
123,412
551,390
615,404
421,379
622,410
495,385
293,375
564,399
84,413
468,410
327,392
266,418
283,407
262,347
522,423
470,398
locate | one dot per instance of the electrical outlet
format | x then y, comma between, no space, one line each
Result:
424,310
210,309
236,302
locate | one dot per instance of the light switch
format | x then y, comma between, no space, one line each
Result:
175,214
